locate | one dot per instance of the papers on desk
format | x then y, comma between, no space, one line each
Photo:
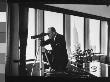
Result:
95,68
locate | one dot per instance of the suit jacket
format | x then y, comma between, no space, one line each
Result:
59,51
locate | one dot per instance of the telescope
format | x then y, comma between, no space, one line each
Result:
39,35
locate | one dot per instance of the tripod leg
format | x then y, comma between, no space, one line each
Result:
33,67
47,58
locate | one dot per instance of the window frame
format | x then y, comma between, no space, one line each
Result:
70,12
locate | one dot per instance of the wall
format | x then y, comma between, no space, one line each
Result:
3,51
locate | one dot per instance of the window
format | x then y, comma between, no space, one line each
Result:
53,19
77,32
94,36
104,37
30,49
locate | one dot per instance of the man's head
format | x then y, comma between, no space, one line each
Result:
52,32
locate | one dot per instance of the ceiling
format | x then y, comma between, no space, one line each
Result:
99,10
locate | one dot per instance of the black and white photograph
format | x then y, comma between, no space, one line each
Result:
55,40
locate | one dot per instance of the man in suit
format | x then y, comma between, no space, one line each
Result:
59,52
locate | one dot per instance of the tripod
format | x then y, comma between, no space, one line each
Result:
41,64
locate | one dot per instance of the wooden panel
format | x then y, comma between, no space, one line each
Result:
2,37
2,68
2,26
2,58
2,77
2,16
3,48
2,7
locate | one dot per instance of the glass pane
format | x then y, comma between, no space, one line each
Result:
104,37
53,19
94,37
77,32
30,49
